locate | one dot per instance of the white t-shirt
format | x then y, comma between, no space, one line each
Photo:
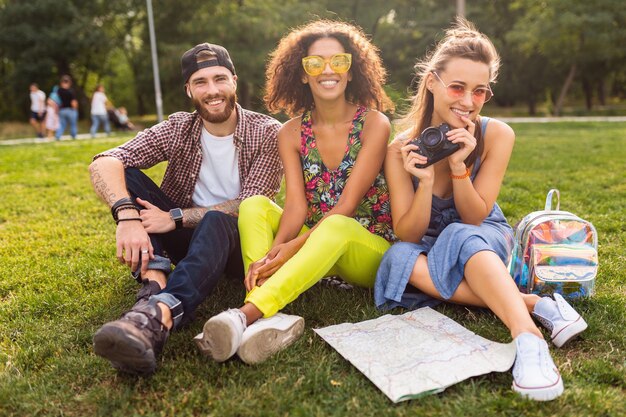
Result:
98,103
218,180
37,101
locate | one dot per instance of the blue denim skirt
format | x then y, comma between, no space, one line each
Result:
447,255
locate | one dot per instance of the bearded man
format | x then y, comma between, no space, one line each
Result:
217,156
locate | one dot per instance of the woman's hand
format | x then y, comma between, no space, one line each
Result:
464,137
252,277
410,157
265,267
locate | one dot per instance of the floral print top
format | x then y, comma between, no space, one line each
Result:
324,186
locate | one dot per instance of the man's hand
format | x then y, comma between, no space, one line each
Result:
133,243
155,220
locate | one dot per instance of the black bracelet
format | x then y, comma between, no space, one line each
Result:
117,221
121,202
125,207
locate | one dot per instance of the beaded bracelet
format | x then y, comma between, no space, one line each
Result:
125,207
122,202
117,221
460,177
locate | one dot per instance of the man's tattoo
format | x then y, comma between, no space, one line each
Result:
101,187
193,216
230,207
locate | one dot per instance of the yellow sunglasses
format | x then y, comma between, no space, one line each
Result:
314,65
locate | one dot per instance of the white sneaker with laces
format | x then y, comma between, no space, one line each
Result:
221,335
534,374
265,337
559,318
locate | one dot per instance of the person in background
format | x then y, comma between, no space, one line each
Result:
52,116
68,108
456,240
37,110
99,111
123,120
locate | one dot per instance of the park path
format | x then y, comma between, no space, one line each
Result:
568,119
80,136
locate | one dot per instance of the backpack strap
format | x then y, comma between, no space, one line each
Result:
483,124
551,193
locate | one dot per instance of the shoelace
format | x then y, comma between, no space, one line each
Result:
144,320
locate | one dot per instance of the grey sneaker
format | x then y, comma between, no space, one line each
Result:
133,342
560,318
265,337
221,335
534,374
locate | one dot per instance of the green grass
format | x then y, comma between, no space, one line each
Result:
59,282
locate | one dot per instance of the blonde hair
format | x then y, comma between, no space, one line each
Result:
462,40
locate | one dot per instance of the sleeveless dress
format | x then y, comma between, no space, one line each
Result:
448,244
323,186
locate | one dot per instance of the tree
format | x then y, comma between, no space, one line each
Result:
48,38
573,35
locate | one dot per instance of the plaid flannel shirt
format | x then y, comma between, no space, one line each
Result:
177,140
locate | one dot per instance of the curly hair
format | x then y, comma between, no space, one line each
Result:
462,40
285,90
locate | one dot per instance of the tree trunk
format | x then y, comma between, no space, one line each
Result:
63,68
244,94
141,106
355,9
602,92
566,85
532,107
588,90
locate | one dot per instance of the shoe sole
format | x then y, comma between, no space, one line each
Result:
548,393
267,342
569,332
125,352
216,341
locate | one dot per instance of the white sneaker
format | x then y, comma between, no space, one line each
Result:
267,336
221,335
534,374
559,318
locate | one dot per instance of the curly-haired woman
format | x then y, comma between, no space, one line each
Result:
336,219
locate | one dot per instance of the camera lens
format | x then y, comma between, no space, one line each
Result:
432,138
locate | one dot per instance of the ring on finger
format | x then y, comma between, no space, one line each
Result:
144,251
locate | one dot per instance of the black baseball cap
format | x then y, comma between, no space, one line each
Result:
189,62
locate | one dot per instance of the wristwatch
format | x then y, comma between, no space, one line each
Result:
177,215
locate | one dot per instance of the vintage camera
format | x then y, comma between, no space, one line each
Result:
434,145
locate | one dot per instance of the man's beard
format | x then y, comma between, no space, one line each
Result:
215,117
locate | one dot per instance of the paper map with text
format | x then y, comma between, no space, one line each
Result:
417,353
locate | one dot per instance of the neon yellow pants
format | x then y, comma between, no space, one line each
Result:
338,246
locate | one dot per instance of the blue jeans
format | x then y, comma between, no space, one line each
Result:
202,255
67,115
96,120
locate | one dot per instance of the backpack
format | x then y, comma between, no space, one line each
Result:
555,251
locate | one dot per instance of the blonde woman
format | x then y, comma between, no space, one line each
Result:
456,239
